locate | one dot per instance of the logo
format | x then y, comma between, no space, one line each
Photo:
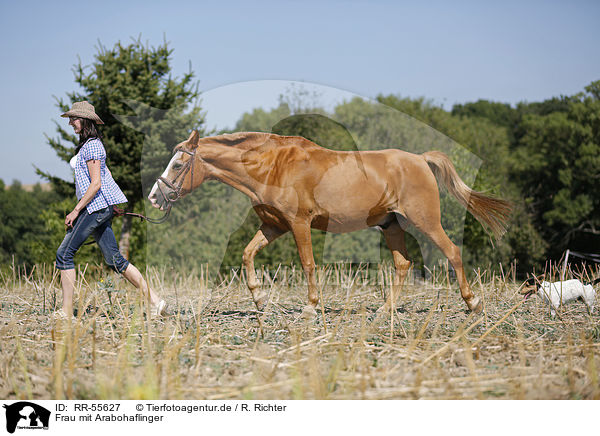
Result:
26,415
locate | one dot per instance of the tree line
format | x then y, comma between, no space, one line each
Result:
542,156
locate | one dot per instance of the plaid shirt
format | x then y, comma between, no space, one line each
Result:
109,192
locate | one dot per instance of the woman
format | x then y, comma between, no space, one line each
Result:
97,192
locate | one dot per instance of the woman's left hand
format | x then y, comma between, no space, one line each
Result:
71,218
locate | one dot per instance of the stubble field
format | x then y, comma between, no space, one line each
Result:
214,345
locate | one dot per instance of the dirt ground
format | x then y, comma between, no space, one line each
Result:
214,345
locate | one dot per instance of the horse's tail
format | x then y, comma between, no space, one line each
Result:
491,212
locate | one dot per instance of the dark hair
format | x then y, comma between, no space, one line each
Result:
89,130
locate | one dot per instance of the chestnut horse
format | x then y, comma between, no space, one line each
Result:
295,185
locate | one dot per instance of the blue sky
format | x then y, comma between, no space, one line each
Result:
245,53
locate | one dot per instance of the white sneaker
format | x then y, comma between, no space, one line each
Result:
160,309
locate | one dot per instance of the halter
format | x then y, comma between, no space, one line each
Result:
176,189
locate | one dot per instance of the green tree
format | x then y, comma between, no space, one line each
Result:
145,111
558,165
259,120
21,223
511,118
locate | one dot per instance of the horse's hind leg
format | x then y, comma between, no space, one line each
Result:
437,234
263,237
394,238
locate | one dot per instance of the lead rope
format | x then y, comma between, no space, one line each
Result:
120,212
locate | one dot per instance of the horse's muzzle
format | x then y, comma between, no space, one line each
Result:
158,198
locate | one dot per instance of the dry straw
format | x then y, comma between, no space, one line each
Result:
215,345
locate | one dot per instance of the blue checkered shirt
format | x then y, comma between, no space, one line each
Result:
109,192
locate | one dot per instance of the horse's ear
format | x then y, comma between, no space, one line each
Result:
193,139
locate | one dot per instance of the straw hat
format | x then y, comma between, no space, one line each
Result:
83,109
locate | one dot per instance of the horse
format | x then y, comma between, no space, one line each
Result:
295,185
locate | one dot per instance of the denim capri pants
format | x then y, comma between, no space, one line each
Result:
99,224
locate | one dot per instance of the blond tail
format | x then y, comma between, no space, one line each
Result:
492,213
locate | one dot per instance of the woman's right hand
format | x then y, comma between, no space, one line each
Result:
71,218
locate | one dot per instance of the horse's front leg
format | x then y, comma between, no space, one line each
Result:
394,238
304,243
263,237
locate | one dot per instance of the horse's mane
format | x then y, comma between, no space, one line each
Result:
255,140
266,155
242,140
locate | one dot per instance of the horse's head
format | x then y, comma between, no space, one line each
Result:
183,173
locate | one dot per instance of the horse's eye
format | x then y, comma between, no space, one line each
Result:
177,166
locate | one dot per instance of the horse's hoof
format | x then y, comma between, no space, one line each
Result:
261,301
475,305
309,312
